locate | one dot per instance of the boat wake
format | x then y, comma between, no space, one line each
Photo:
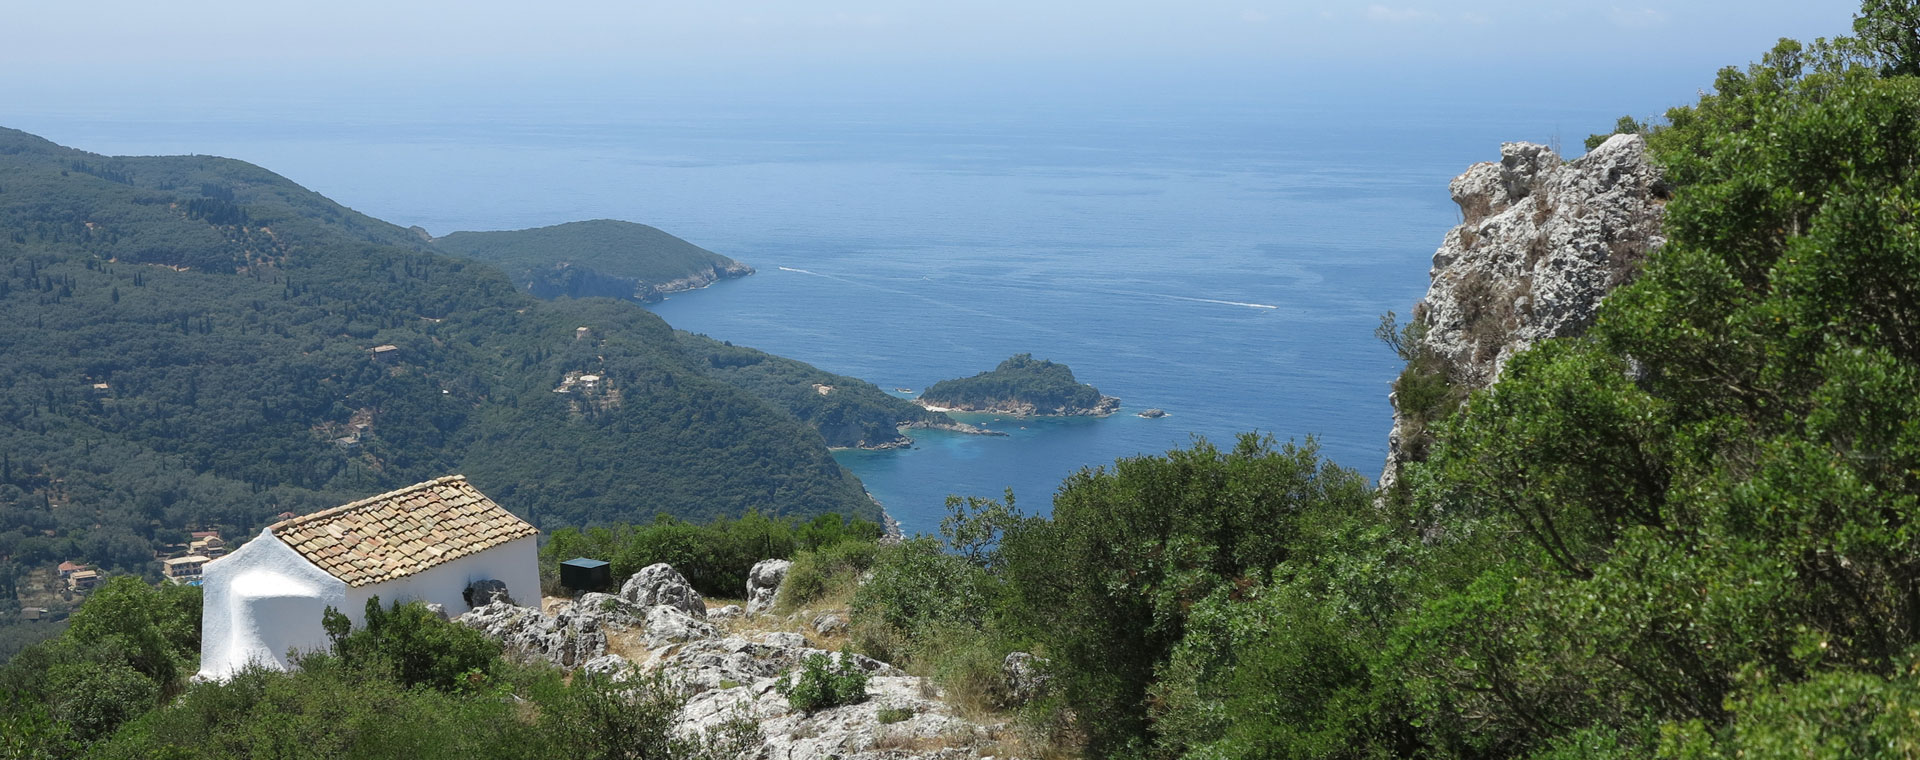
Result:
1222,303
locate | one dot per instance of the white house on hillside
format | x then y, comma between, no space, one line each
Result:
428,542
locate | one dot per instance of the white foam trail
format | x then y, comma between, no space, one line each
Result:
1195,300
1222,303
802,271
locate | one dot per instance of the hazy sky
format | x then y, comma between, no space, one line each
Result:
436,37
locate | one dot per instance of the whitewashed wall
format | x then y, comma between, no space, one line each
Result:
515,563
259,603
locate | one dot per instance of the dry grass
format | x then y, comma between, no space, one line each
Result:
907,742
798,621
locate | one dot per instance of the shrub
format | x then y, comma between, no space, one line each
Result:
414,645
888,715
827,571
822,682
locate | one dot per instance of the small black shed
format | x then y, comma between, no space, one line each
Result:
583,574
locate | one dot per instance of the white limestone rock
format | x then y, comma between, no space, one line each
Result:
1025,679
610,665
763,584
729,612
658,584
850,732
666,624
829,623
568,638
1541,242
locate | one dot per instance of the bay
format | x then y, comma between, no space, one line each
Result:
1222,260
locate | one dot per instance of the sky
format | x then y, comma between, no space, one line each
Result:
770,48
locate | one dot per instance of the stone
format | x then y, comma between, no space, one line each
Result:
658,584
438,609
783,639
829,623
569,638
763,584
617,612
611,665
1540,243
849,732
729,612
483,593
1025,679
667,624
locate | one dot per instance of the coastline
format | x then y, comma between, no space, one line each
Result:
906,441
1107,405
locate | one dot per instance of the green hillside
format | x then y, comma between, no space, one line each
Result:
601,257
188,345
847,411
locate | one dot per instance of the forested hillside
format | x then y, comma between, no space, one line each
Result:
848,411
600,257
1020,385
1692,532
189,344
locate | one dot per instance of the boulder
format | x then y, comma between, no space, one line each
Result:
659,584
569,638
850,732
667,624
763,584
611,665
1025,680
483,593
829,623
729,612
615,611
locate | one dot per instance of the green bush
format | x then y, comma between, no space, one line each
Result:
828,571
887,715
714,557
821,683
413,645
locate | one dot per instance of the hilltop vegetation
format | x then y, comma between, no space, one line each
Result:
601,257
188,346
848,411
1020,385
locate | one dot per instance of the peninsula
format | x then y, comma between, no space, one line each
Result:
600,257
1023,386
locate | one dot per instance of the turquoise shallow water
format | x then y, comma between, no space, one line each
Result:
1225,262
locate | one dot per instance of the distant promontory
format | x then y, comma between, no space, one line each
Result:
602,257
1023,386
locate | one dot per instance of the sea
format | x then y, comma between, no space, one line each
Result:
1221,256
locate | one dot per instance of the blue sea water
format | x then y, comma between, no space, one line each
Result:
1224,260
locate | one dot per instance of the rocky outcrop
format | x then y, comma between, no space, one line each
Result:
1541,242
922,727
1025,680
659,584
1107,405
569,638
729,674
569,280
763,584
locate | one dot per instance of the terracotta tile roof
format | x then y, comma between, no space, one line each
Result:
397,534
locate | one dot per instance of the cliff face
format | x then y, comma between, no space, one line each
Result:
1540,243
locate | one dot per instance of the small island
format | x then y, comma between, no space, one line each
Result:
1022,386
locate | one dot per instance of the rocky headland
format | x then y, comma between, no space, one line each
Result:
1540,243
